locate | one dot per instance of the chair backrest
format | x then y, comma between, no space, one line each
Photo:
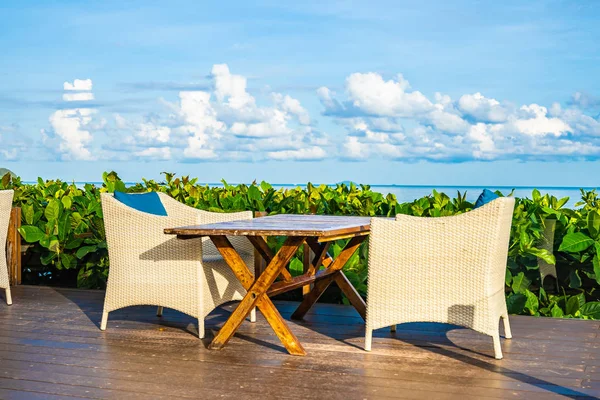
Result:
473,246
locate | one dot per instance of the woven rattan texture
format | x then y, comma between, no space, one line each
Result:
148,267
446,270
6,199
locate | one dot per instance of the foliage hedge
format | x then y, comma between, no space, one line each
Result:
63,225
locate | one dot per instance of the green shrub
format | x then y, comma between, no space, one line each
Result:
64,226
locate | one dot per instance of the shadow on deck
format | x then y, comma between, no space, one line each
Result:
51,347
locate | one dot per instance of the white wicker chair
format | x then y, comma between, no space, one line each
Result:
445,270
6,199
148,267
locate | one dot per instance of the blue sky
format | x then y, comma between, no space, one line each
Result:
434,93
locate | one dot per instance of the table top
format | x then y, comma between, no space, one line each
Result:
321,226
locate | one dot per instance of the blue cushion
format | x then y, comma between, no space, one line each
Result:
485,197
146,202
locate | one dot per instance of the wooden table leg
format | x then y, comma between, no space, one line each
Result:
265,252
350,291
321,254
306,266
320,287
256,295
312,267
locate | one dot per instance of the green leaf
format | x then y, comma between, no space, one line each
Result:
265,186
593,223
508,277
47,258
520,283
515,303
31,233
254,193
575,242
120,186
591,309
574,279
68,261
543,254
572,305
27,210
562,202
532,302
85,250
581,299
596,264
557,312
6,180
54,245
53,209
73,244
66,202
45,241
64,226
543,295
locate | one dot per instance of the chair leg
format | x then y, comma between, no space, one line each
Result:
104,320
507,331
159,311
201,332
368,339
393,328
497,347
253,315
8,296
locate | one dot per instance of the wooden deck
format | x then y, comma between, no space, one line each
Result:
51,347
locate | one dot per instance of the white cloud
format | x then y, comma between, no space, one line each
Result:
354,149
536,122
446,121
371,94
231,89
83,96
292,106
276,125
200,121
485,144
151,132
78,84
71,127
199,149
380,118
154,153
306,154
581,124
585,100
225,123
71,135
482,108
388,119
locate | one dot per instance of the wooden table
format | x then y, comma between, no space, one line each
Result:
317,231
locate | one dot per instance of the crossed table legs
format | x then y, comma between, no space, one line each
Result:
258,290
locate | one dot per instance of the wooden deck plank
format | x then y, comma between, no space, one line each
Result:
51,347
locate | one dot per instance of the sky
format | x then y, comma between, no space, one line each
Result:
378,92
